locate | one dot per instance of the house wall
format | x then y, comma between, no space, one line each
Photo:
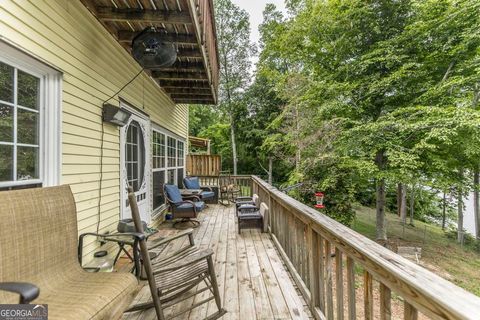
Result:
66,36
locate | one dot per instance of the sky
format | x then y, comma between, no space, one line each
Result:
255,10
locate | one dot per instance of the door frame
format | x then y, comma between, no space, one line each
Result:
147,170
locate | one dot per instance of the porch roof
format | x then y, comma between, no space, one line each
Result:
188,23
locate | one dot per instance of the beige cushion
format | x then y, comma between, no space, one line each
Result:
38,244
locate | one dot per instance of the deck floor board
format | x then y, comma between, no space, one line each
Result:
253,281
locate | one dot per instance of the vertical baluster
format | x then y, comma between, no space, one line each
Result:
339,282
313,259
328,280
385,302
305,253
410,313
368,295
321,272
352,314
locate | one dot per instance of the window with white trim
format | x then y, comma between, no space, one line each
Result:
29,145
168,163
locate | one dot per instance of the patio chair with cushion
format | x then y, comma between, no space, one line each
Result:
174,282
186,209
243,201
248,214
39,262
194,183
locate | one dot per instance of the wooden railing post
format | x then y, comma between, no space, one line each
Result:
368,295
339,282
352,314
328,279
314,258
385,301
410,313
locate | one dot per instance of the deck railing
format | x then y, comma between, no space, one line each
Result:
326,259
243,181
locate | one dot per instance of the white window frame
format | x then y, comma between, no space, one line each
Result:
50,120
166,168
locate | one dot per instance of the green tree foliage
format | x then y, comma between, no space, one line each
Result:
383,94
354,97
235,50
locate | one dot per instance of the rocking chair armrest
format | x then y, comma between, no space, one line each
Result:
207,189
191,198
189,260
27,291
137,236
187,232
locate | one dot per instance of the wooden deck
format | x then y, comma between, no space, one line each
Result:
253,281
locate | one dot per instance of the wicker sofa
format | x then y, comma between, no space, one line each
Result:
38,245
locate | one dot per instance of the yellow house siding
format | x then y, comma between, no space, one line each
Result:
65,35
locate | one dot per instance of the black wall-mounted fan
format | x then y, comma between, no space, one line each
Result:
151,51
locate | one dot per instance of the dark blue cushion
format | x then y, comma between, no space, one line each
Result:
173,193
191,183
200,205
208,194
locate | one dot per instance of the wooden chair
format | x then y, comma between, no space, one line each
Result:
227,189
172,283
186,209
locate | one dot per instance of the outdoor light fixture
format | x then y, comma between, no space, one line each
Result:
319,200
115,115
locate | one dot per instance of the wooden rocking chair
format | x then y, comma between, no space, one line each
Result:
170,284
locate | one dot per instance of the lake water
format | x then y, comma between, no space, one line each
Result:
468,217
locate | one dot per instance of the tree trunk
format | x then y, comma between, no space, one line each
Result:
403,205
297,138
476,200
399,199
412,204
444,210
460,217
381,231
234,146
270,170
460,211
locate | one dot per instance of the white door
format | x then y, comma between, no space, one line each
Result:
135,165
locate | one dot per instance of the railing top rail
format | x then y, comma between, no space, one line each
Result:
429,293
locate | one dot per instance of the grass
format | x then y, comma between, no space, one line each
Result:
440,254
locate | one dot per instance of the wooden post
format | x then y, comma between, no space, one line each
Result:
352,314
368,295
328,280
313,259
385,302
339,282
409,311
321,272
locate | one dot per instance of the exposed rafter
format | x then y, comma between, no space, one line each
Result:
187,39
193,101
194,76
192,91
188,53
148,16
190,97
187,84
162,75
